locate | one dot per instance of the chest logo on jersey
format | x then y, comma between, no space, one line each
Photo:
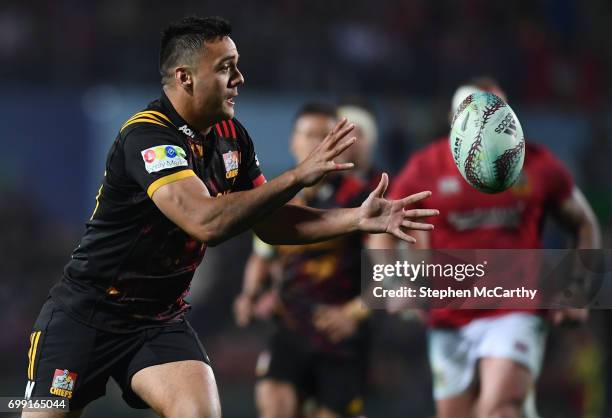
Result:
187,131
449,185
231,160
163,157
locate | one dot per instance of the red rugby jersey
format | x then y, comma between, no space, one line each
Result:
470,219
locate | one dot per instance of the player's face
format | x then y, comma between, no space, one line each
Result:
359,152
216,80
308,132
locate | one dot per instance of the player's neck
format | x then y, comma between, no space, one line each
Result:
185,109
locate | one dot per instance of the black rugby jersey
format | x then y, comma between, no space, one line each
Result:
133,266
328,272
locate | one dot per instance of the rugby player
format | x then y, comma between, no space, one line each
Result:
180,175
318,350
485,362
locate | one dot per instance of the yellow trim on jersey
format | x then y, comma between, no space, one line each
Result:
142,119
97,202
160,117
183,174
141,116
34,338
30,352
98,198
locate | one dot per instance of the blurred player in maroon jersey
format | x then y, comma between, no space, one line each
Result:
319,347
485,362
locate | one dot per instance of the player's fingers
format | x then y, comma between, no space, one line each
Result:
403,236
243,319
338,135
416,225
340,167
320,316
333,333
335,129
335,337
339,149
415,198
323,325
421,213
338,126
381,188
317,323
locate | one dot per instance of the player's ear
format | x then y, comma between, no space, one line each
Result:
183,77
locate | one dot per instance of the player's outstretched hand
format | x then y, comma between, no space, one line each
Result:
336,322
377,214
321,159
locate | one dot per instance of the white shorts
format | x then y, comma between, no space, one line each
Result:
454,353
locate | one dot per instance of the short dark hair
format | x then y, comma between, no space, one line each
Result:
181,40
317,108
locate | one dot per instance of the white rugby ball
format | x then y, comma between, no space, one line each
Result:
487,142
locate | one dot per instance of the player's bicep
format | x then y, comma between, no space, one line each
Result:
181,200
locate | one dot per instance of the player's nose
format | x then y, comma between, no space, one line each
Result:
238,79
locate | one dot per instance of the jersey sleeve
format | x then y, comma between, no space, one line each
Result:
155,156
558,180
407,181
250,174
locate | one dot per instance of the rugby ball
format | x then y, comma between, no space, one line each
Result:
487,142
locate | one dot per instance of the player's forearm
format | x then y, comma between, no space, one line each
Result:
585,224
293,224
228,215
588,234
578,217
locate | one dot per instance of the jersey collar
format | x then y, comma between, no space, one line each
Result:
178,121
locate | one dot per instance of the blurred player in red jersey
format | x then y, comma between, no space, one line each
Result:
319,347
485,362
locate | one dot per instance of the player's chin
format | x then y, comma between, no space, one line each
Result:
227,109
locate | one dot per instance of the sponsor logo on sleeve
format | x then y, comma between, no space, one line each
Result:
63,383
163,157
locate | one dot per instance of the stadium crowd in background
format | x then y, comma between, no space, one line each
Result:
542,51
